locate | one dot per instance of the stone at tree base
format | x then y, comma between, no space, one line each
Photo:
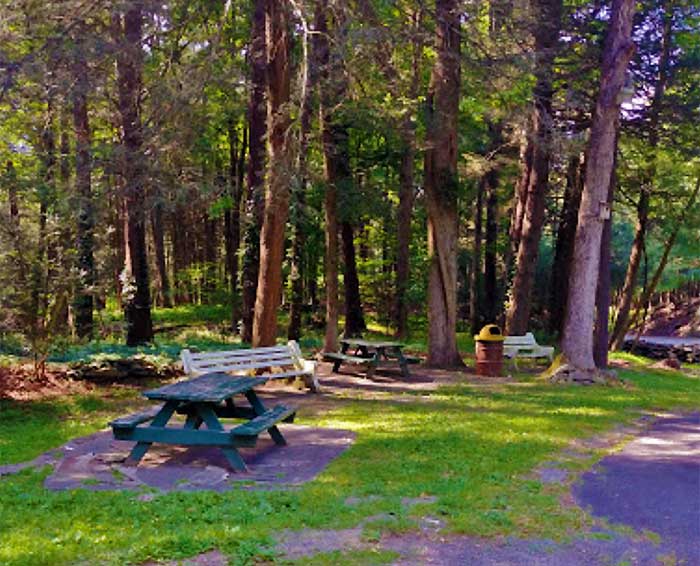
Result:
563,372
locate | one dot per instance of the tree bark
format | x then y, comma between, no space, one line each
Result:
627,293
269,289
354,319
650,289
442,187
602,299
257,130
158,230
232,216
548,24
564,247
334,136
137,297
577,341
84,298
491,294
475,294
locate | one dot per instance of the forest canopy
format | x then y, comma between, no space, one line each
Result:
319,164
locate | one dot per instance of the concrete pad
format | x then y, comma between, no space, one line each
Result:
97,462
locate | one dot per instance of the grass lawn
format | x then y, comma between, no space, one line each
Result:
470,447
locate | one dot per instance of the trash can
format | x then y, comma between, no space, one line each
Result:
489,351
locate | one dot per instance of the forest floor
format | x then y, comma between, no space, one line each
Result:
446,468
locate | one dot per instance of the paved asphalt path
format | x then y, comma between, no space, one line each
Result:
653,484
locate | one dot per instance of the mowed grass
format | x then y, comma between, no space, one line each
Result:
472,448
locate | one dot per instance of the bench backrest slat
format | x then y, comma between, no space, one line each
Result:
526,340
243,359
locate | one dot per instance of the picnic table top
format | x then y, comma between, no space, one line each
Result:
208,388
371,343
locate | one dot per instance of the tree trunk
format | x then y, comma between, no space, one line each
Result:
547,26
635,260
475,294
269,290
403,236
158,230
602,299
310,75
84,298
442,187
257,130
577,341
491,295
564,247
354,319
334,136
137,303
650,289
232,216
627,294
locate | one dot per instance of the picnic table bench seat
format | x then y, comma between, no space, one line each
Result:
346,358
270,363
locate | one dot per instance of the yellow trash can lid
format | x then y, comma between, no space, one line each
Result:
490,333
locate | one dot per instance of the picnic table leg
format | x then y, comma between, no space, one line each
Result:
193,421
160,420
403,363
373,364
336,364
259,409
211,420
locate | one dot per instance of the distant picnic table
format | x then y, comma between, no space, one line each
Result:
204,400
373,354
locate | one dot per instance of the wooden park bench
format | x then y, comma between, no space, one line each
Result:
272,362
526,346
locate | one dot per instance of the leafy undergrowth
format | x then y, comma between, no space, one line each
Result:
471,447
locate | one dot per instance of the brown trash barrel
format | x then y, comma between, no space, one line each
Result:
489,358
489,351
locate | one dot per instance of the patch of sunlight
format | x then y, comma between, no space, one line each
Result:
588,411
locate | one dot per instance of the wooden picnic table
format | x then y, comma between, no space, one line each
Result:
374,354
204,400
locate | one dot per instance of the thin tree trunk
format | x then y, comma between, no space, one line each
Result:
602,300
475,295
577,341
491,295
137,303
403,234
627,294
232,217
548,24
441,188
650,289
635,260
354,319
84,299
159,246
269,291
310,75
564,247
257,130
334,136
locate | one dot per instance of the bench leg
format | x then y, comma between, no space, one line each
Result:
160,420
210,419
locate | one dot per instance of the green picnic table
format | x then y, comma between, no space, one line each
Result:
373,354
204,400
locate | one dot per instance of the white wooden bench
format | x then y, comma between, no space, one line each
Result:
525,347
272,362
